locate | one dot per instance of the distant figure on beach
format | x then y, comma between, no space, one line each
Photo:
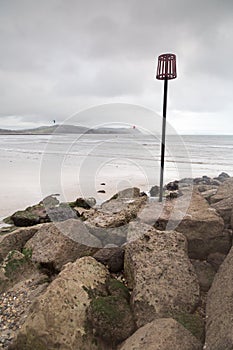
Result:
54,121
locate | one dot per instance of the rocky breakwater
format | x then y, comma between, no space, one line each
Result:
130,274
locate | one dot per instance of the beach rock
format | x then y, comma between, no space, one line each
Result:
128,193
50,201
219,307
222,177
57,319
30,216
204,180
205,274
150,212
172,186
18,267
187,181
162,334
113,258
56,244
208,194
118,211
136,229
224,207
204,188
215,182
85,203
49,209
108,235
61,213
161,276
16,240
154,191
201,224
225,190
216,260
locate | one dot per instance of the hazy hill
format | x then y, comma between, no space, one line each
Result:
67,129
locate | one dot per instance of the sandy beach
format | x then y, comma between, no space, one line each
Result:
33,167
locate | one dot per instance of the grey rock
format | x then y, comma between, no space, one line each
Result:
161,276
61,213
224,207
154,191
201,224
16,240
162,334
128,193
225,190
222,177
208,194
205,274
56,244
216,260
108,235
219,307
58,317
112,257
119,210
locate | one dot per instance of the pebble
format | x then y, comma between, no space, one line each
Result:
14,305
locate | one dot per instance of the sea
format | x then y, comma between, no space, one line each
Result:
99,165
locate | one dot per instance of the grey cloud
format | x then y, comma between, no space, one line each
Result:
57,56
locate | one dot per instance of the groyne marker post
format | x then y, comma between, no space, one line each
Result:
166,70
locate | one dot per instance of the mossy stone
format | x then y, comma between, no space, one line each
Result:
111,318
117,288
193,323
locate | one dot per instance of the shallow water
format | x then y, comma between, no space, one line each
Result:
33,166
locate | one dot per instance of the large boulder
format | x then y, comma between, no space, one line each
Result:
54,245
161,276
16,240
225,190
201,224
119,210
219,321
57,319
162,334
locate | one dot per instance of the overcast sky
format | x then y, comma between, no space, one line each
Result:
59,57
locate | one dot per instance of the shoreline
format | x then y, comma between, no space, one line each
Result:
105,194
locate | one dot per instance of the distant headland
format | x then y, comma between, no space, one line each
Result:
69,129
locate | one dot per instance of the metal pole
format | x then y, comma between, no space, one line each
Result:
163,138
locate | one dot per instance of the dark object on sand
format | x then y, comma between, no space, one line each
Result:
173,186
101,191
154,191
